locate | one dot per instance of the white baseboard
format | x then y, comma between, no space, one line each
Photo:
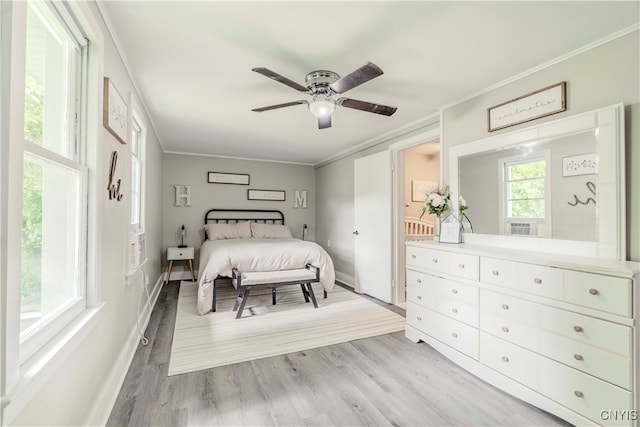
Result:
99,414
345,279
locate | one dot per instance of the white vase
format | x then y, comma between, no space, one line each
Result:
436,226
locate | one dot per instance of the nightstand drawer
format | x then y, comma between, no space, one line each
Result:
180,253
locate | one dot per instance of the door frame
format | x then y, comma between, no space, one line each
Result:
398,205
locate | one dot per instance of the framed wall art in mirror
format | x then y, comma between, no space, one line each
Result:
523,197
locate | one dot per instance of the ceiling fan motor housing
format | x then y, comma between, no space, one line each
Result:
318,81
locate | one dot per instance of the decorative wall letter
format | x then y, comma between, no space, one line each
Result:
114,189
300,199
183,197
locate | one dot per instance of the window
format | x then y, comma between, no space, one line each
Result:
137,163
525,195
54,178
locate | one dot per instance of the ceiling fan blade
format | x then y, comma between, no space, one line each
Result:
324,122
274,107
281,79
385,110
362,75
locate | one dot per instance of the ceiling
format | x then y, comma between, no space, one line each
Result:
192,61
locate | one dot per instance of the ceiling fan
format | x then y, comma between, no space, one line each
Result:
322,85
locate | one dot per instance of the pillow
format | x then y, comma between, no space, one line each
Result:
241,230
270,231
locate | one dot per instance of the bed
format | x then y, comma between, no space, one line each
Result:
252,240
417,228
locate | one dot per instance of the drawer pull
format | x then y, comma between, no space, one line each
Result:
505,329
593,291
578,328
505,359
413,256
537,280
419,280
454,310
461,265
578,393
419,318
454,291
578,357
495,272
454,335
435,260
419,296
505,306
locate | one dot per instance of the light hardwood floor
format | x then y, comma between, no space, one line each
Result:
381,381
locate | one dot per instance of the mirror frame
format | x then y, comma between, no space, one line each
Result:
608,124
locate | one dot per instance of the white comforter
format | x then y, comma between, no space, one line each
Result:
218,257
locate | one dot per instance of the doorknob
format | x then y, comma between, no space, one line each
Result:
356,232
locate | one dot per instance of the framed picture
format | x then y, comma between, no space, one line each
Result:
277,195
115,115
228,178
534,105
450,230
420,188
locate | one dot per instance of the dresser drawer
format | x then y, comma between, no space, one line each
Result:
465,266
606,293
540,280
508,359
466,313
422,296
580,392
508,329
508,307
436,261
592,360
606,335
458,335
458,291
497,272
422,318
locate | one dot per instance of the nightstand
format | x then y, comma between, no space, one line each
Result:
176,254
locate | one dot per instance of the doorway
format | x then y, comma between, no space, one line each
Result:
417,164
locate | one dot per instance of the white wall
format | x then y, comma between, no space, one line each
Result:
192,170
82,387
602,76
334,213
423,167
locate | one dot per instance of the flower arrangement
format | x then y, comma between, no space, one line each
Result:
437,201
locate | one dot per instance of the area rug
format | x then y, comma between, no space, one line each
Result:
265,330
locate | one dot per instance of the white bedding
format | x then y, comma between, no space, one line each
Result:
218,257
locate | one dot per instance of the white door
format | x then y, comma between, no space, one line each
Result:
372,219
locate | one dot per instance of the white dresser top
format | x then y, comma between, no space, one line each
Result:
594,265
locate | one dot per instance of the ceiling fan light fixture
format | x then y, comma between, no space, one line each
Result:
322,106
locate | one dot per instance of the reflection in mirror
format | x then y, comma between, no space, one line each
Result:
560,183
525,190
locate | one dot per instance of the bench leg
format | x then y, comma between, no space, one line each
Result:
312,295
273,296
305,293
242,300
325,294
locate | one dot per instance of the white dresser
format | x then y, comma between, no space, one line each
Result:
557,332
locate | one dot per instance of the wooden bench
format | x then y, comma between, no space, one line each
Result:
245,282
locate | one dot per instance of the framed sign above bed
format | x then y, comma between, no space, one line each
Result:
277,195
228,178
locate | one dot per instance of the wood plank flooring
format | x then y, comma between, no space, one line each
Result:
381,381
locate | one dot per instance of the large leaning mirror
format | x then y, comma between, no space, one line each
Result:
555,187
